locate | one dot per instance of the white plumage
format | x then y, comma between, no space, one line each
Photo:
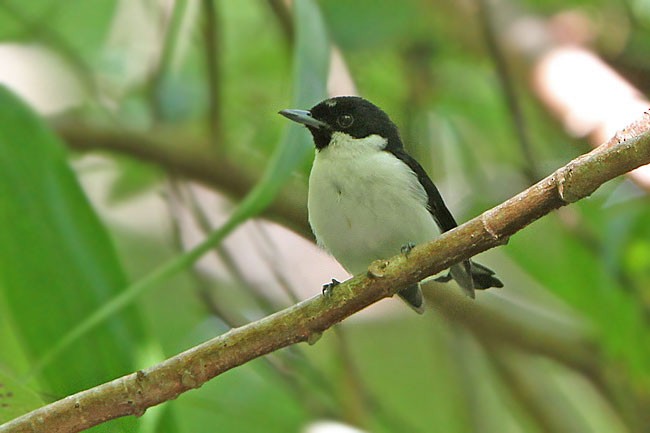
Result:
368,198
365,204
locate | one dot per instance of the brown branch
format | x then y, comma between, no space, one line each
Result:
490,326
192,161
134,393
570,348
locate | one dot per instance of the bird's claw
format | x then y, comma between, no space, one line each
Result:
406,248
327,288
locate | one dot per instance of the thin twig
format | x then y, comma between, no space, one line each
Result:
580,229
306,321
486,324
361,393
203,222
51,37
213,67
283,15
267,251
573,350
230,316
292,359
550,409
509,89
369,404
169,28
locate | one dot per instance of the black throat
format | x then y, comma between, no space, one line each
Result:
322,137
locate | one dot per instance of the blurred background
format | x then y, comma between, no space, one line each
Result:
155,119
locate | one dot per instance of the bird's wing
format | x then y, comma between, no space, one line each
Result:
461,272
437,206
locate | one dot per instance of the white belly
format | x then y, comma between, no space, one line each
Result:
365,204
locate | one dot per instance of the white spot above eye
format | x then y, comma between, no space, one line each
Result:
330,103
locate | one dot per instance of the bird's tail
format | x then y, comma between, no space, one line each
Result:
412,295
469,275
472,276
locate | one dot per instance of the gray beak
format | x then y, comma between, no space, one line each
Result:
304,117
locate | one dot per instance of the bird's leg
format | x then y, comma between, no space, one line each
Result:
327,288
406,248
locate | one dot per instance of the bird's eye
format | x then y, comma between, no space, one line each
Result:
345,120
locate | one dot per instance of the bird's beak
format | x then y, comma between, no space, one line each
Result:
304,117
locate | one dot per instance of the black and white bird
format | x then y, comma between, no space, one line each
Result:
368,198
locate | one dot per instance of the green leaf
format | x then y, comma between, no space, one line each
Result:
311,67
311,64
15,398
575,272
229,401
362,24
57,261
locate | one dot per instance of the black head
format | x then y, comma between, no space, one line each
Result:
351,115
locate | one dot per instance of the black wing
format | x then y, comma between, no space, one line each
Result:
437,206
469,274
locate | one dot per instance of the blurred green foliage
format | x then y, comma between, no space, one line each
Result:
141,68
54,241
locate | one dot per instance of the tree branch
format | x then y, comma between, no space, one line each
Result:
134,393
193,161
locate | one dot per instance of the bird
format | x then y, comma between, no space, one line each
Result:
369,199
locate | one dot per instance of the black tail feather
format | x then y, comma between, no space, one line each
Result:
412,295
484,277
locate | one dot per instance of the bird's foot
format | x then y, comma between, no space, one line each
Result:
327,288
406,248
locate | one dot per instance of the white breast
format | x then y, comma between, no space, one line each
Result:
364,203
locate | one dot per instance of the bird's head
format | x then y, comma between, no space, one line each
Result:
349,115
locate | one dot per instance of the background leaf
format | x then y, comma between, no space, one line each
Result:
125,83
58,263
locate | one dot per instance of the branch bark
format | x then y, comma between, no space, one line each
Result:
305,321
